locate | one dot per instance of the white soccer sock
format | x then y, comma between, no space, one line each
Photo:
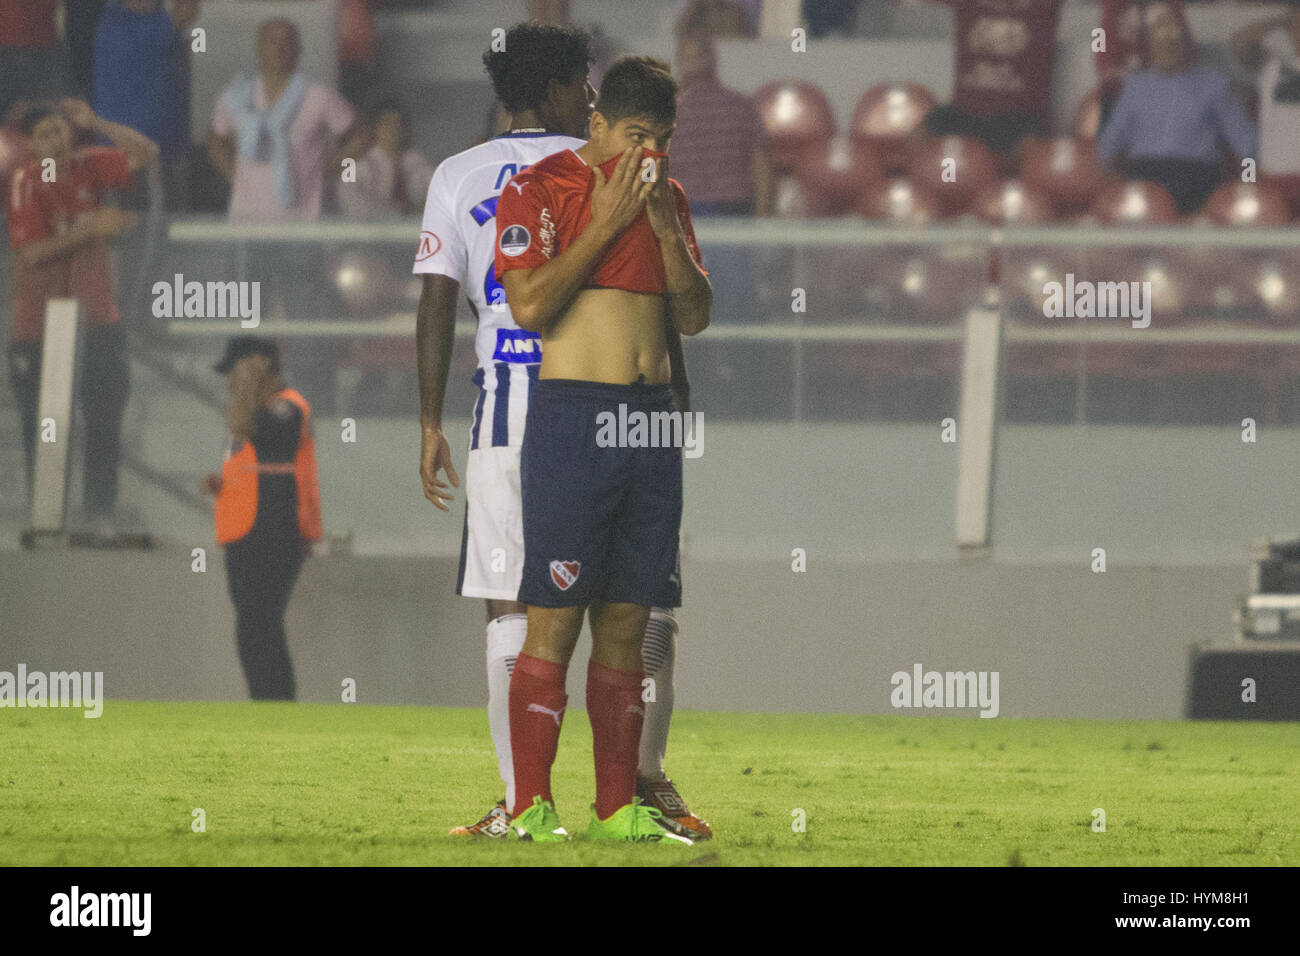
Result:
658,654
505,639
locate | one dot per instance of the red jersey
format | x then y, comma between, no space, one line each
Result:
39,210
544,209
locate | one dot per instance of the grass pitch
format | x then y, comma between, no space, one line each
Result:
338,785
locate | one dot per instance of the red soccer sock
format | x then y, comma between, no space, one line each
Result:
616,712
537,702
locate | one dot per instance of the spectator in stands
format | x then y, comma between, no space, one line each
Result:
33,63
1002,72
717,155
152,96
717,145
275,136
392,178
1272,48
1172,120
59,233
1125,29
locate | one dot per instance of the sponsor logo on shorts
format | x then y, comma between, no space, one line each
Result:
515,240
565,573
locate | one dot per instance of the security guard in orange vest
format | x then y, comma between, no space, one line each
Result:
267,507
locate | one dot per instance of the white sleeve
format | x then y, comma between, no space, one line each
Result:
442,248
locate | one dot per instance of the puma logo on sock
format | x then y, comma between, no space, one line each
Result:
538,708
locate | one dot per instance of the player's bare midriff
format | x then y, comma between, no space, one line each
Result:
608,335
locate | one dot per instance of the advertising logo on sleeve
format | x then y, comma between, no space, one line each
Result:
515,240
429,246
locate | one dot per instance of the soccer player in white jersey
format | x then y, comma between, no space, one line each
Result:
541,79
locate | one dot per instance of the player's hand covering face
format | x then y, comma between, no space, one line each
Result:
661,205
616,201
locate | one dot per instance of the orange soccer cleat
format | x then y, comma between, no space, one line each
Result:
495,824
677,817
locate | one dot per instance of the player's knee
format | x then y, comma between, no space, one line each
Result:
619,624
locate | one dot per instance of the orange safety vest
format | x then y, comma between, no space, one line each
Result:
236,509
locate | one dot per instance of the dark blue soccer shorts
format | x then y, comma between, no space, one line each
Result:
602,507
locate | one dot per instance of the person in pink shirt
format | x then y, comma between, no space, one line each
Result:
275,134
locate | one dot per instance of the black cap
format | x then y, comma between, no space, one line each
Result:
242,346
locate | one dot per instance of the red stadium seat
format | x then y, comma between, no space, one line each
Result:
795,116
1133,202
1066,169
956,184
901,201
885,119
1013,202
1247,204
1228,277
1087,116
833,176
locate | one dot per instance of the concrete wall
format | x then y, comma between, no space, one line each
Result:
755,636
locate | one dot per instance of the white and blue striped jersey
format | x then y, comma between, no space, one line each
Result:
458,240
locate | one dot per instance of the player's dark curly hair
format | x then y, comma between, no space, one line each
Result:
533,56
638,86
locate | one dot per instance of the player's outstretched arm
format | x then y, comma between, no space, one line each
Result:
540,295
435,333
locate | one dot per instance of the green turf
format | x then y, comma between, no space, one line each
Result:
337,785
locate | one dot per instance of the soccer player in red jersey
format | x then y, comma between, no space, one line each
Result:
597,254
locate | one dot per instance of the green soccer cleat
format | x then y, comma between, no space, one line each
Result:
539,823
634,823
